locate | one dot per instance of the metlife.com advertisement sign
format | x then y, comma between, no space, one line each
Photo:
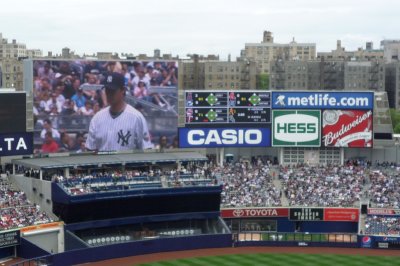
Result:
322,100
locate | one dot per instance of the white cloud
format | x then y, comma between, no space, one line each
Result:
181,27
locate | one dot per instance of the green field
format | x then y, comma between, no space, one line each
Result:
282,259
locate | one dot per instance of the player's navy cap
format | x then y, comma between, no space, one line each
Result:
114,81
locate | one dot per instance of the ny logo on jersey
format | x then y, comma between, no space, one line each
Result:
109,79
123,139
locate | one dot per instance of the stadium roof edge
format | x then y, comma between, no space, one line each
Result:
95,160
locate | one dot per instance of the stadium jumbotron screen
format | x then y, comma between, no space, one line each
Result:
79,105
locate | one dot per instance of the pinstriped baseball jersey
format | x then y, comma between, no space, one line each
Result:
125,132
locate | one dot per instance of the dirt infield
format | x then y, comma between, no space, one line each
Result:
243,250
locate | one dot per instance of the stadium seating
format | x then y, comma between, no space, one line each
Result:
381,225
15,209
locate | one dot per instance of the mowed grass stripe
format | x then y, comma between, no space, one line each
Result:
282,259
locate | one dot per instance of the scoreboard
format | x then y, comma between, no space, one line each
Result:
228,107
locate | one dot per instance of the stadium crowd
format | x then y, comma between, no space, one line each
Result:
68,93
384,191
15,209
381,225
339,186
257,183
96,181
248,184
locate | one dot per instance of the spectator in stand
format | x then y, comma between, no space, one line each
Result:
43,86
175,143
385,188
47,128
15,209
141,92
49,145
247,185
338,186
152,74
67,143
54,102
69,108
82,148
46,72
96,108
45,101
140,77
87,109
163,143
382,225
79,99
70,90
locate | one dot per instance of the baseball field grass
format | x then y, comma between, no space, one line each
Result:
282,259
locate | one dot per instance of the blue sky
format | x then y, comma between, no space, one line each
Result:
204,27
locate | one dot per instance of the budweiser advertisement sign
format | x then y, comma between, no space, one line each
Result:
254,212
341,214
378,211
347,128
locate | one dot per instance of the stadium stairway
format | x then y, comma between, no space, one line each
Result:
277,183
361,225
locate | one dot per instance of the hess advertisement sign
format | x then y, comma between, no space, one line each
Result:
351,128
296,128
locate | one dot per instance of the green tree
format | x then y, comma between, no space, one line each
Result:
263,81
395,116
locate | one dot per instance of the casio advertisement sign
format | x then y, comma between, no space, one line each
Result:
224,137
296,128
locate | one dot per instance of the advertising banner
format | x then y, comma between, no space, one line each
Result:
366,241
299,128
16,144
322,100
9,238
386,242
224,137
306,214
347,128
341,214
254,212
379,211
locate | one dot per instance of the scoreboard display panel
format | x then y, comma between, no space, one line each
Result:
209,115
249,115
227,107
261,99
206,99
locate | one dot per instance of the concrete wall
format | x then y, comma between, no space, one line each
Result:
391,154
37,191
50,239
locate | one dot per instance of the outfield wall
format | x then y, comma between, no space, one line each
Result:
133,248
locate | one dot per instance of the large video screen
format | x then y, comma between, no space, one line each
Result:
347,128
12,112
74,111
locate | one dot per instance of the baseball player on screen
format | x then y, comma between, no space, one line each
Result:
118,126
